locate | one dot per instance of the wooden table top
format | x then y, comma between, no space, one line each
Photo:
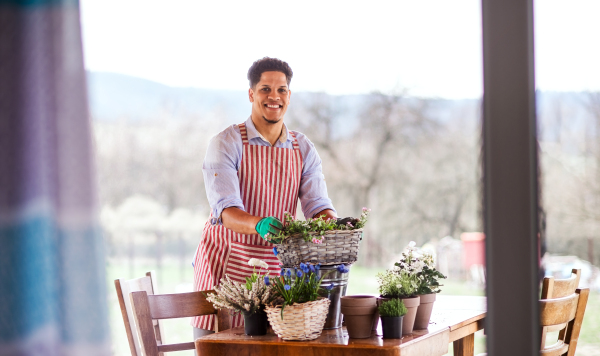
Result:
450,314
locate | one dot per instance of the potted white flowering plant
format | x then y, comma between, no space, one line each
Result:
249,299
401,284
328,242
422,265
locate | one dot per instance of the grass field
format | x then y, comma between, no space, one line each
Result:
174,279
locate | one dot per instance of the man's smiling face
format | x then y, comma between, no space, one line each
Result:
270,97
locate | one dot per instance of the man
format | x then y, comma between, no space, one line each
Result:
254,174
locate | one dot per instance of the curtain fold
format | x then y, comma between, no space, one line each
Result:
52,281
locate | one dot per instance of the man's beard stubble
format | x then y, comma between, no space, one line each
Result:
271,121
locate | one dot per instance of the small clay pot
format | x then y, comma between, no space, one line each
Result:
358,301
424,311
392,327
411,304
359,320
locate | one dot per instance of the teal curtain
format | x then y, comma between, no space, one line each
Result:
52,282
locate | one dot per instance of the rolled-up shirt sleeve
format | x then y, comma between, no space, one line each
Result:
313,190
220,175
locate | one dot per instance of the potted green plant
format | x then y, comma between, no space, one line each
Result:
299,312
401,284
423,266
249,299
392,314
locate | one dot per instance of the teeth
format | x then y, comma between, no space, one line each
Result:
273,106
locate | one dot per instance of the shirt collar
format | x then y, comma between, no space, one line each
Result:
253,132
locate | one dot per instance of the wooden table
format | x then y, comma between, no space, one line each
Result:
454,319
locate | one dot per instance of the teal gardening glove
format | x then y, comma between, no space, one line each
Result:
269,225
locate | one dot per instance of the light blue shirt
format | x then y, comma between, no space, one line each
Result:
222,162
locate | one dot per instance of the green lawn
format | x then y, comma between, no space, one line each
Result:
174,279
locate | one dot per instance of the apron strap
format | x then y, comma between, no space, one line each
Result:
244,133
295,142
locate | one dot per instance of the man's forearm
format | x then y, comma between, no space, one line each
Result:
239,221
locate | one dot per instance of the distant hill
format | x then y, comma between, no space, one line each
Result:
115,97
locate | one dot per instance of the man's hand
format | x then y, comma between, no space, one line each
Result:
268,225
347,222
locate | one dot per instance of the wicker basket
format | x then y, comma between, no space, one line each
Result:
339,246
300,321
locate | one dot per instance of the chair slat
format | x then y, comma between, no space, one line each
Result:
558,311
141,310
555,350
168,306
177,347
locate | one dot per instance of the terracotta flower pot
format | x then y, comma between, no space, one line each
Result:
359,320
362,300
411,304
424,311
359,301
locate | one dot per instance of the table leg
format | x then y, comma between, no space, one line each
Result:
465,346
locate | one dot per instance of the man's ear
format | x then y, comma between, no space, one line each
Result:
251,95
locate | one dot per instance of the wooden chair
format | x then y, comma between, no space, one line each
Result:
565,310
147,308
558,288
124,287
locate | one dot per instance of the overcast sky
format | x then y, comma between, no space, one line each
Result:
431,47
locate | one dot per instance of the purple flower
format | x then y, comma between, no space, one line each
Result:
267,280
287,287
312,268
329,287
299,274
282,272
275,251
318,266
289,273
343,268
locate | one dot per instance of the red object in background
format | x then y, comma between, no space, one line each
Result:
473,248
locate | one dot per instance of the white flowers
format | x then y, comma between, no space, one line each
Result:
256,262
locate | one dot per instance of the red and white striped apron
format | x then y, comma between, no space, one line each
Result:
269,183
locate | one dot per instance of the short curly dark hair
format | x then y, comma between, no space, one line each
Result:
268,64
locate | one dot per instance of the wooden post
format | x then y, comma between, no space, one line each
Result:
510,178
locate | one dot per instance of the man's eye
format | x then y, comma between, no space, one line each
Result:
283,91
265,89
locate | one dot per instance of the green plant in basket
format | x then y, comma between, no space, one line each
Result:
317,225
300,286
393,307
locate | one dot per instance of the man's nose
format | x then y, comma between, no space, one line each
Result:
273,96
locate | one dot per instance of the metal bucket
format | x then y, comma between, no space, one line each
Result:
340,284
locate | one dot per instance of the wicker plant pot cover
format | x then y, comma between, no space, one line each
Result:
339,246
300,321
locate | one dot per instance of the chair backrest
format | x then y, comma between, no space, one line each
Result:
147,308
558,288
570,310
124,287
